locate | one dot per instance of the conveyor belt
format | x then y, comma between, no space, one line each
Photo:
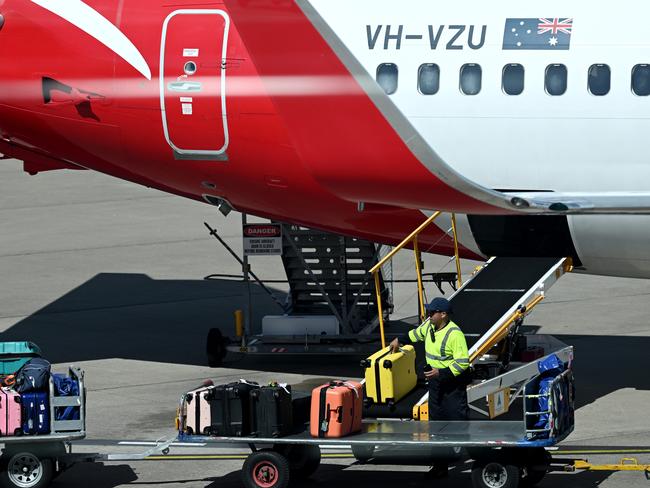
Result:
495,290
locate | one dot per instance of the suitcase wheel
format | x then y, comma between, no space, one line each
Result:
388,364
365,363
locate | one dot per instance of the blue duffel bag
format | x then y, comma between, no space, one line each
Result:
549,368
65,386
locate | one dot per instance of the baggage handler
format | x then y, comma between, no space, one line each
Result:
447,369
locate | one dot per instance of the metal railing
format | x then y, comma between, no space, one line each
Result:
559,412
413,237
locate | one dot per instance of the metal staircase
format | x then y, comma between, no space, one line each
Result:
328,275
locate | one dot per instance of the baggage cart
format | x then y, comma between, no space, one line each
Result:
504,452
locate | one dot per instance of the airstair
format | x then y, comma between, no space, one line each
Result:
328,275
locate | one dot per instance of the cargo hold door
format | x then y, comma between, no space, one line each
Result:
193,81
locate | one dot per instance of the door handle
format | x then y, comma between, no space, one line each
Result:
184,86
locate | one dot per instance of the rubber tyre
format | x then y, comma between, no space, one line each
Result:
495,474
363,453
215,348
304,461
26,470
266,469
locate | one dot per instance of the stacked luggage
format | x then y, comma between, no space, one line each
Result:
334,409
247,409
31,400
242,409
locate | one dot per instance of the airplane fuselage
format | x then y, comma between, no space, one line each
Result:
340,115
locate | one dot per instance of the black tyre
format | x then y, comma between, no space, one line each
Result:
215,347
495,474
266,469
26,470
304,460
363,453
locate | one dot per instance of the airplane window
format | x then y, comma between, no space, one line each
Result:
641,80
556,79
429,79
470,79
387,77
513,79
599,79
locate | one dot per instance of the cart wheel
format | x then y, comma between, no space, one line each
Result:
215,347
304,461
266,469
535,471
26,470
494,474
362,453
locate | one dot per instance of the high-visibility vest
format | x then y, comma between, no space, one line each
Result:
445,348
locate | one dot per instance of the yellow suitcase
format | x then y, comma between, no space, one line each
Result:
389,377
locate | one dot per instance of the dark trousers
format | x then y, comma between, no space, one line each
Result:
448,399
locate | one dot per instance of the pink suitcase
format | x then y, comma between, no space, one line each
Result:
10,412
196,411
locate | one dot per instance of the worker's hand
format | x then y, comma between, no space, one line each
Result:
394,346
432,373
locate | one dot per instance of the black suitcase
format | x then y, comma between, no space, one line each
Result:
301,409
272,415
230,413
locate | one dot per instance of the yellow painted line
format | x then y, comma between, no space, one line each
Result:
603,451
206,457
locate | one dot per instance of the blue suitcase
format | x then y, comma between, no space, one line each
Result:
36,413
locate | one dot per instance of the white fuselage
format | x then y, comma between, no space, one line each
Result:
533,141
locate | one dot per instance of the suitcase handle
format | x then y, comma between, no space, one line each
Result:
339,417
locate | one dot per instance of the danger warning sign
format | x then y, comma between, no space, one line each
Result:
262,239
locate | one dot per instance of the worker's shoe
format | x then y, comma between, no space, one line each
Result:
437,471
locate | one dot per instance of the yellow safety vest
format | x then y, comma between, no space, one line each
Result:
448,350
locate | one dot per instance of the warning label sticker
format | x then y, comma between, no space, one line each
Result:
262,239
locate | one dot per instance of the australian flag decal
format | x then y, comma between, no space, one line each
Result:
550,34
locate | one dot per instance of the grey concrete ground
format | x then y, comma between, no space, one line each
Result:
109,276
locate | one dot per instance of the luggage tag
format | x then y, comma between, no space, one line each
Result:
324,426
284,386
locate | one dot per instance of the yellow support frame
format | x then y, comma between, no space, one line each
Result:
418,270
413,236
455,232
502,331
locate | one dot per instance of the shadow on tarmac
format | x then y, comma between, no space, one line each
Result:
102,475
132,316
334,475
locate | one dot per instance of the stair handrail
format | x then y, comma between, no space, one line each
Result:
406,240
413,236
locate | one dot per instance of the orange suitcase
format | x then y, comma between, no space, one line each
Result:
336,409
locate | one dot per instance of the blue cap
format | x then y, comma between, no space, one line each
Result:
438,303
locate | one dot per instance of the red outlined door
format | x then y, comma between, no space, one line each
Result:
193,83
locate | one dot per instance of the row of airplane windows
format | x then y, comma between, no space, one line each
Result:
512,79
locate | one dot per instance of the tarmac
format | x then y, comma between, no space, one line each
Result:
109,276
